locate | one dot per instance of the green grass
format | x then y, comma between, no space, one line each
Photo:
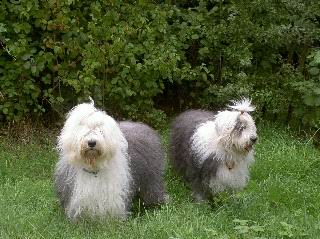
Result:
282,199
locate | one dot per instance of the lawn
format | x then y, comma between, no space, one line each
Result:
282,199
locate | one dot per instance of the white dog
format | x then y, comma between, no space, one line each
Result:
103,164
213,151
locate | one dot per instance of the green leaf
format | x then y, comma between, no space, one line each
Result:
314,71
33,69
2,27
203,50
312,100
59,99
316,91
195,36
57,49
27,65
316,57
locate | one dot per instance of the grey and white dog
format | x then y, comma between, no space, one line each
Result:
213,151
104,164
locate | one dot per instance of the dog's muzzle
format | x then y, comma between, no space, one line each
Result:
91,153
92,143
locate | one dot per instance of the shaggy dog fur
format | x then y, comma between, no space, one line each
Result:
213,151
103,164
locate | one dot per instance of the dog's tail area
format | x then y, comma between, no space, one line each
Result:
91,101
242,105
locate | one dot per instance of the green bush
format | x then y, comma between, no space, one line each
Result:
139,59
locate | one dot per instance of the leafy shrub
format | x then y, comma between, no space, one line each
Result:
137,60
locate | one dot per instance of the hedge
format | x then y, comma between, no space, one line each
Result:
146,59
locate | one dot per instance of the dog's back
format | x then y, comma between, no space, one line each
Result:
181,131
64,181
147,161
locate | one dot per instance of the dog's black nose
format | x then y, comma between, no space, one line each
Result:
253,139
92,143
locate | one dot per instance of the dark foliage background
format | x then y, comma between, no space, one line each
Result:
147,59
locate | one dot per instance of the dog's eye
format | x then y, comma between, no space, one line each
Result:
242,127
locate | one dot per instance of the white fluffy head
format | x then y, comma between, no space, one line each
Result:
90,137
230,135
235,128
243,105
